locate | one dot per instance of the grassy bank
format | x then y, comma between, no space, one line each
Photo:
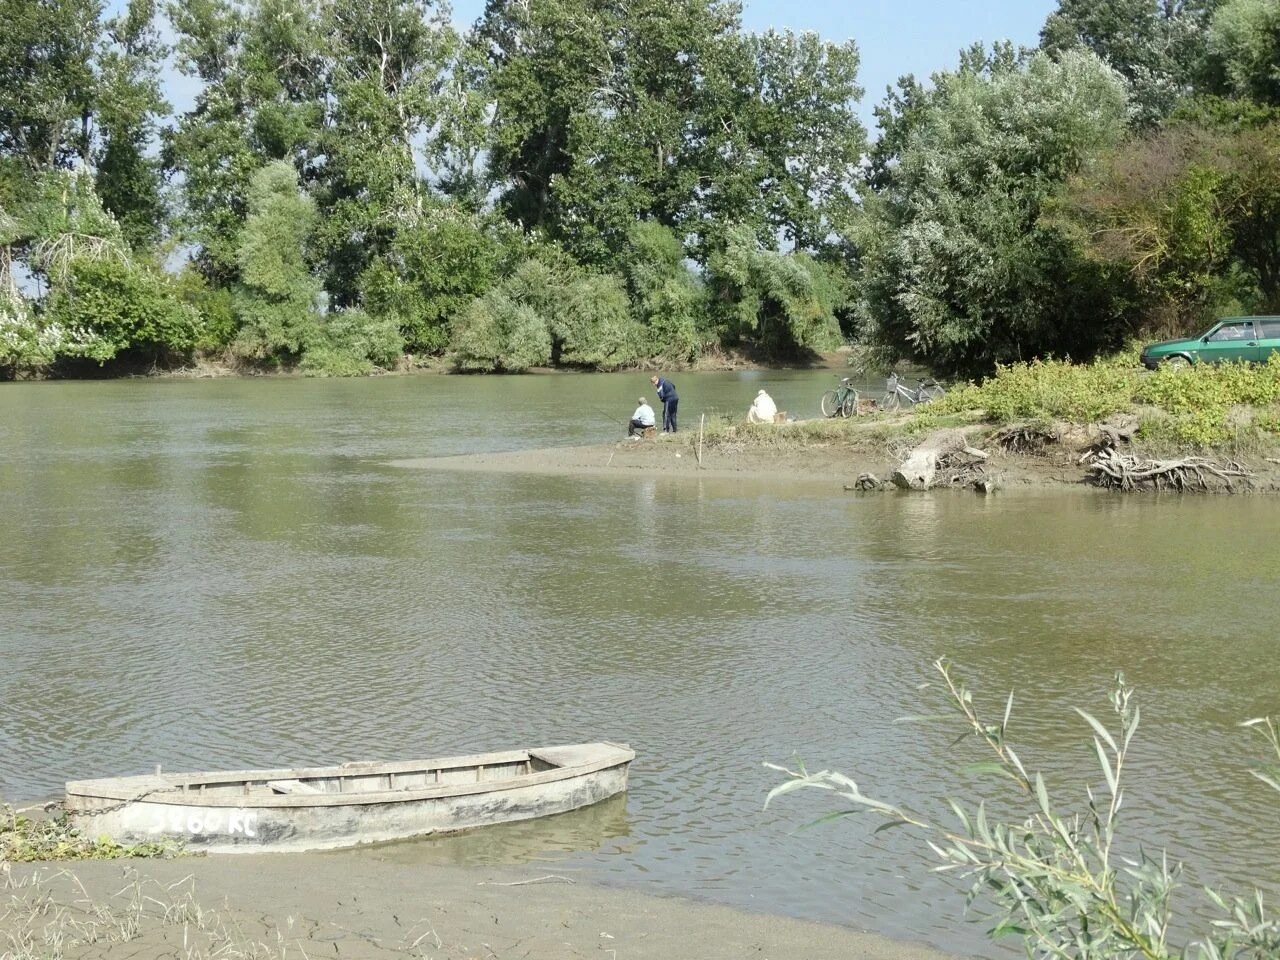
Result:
1227,407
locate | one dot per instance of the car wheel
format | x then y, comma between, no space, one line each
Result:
1176,362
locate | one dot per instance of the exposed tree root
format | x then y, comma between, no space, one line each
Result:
1109,468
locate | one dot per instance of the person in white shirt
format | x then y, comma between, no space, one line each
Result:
642,419
763,409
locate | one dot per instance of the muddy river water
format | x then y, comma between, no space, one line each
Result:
229,574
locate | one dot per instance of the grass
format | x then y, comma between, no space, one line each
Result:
26,839
50,916
1230,407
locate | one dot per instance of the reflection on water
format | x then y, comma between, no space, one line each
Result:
226,574
592,828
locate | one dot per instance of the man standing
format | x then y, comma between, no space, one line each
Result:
642,419
667,394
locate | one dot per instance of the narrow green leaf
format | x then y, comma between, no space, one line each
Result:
1099,729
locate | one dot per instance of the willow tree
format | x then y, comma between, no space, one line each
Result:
960,268
277,297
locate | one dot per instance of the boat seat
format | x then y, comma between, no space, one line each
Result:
292,786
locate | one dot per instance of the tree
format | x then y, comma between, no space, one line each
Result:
47,82
1158,46
210,146
277,298
1245,41
129,101
960,270
782,304
667,299
547,311
389,60
1193,216
779,143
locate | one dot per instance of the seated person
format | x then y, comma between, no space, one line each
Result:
642,419
763,409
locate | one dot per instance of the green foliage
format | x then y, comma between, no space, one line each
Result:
1196,407
26,840
47,83
121,309
1190,215
1065,881
351,344
1048,390
129,100
784,304
960,269
1160,48
1245,40
437,265
547,313
667,299
277,297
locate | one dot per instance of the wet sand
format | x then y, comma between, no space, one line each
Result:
356,905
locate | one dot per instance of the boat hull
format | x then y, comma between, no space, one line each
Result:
297,823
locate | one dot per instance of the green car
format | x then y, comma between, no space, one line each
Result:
1251,339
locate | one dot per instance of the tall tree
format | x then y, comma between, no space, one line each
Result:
47,81
210,147
959,268
1245,41
277,298
1158,46
129,104
389,59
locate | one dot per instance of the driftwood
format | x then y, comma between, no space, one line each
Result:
942,459
866,481
1109,468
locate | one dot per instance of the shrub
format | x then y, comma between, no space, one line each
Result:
120,309
350,343
1054,877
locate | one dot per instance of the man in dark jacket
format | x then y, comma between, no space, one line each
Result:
667,395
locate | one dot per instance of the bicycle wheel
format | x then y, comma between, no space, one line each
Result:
932,392
830,404
891,401
850,406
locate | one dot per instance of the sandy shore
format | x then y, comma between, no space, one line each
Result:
795,459
357,905
837,464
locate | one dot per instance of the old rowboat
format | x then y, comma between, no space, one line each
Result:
322,808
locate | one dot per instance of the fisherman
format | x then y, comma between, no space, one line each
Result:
763,409
667,394
641,420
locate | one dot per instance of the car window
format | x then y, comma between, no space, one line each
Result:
1271,329
1232,331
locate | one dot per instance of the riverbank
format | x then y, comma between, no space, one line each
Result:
840,452
363,903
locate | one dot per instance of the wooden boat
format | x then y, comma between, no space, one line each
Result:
320,808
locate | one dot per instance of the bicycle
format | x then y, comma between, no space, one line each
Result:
842,402
926,391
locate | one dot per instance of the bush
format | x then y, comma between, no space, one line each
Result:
350,343
1192,407
1053,876
120,309
547,313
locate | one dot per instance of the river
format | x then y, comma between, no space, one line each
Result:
230,573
